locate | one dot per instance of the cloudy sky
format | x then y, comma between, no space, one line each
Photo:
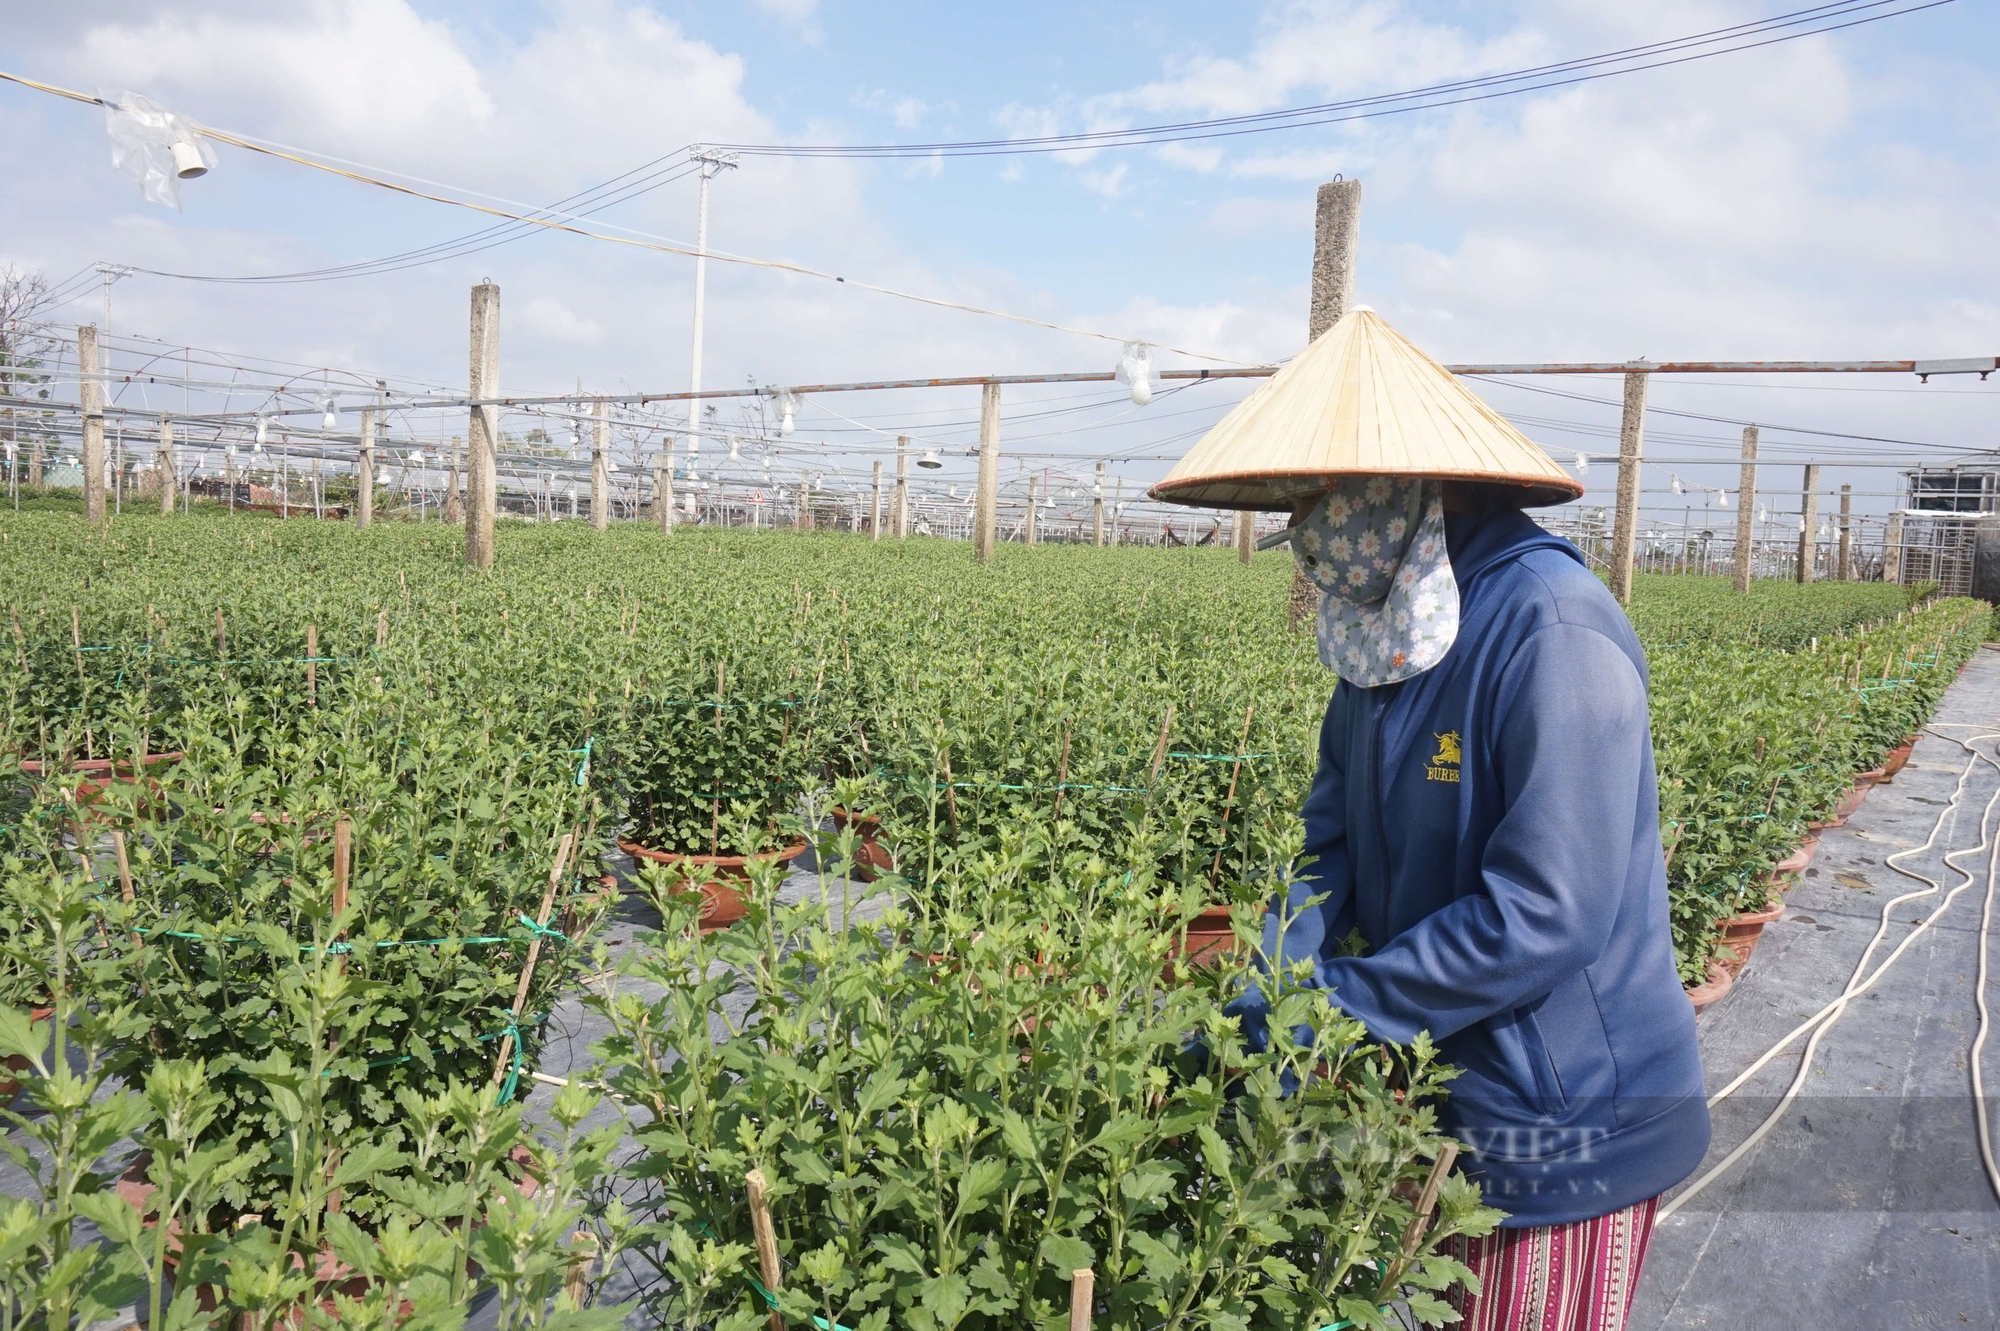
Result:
1829,197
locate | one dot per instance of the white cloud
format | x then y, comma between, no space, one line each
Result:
550,318
905,112
1109,183
799,15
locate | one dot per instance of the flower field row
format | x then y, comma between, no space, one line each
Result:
305,846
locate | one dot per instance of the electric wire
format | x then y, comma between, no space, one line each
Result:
1790,27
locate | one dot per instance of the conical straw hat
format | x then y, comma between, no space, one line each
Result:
1361,400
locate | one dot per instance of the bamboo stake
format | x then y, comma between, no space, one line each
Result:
1229,800
1082,1290
221,645
381,629
576,1280
534,951
125,893
715,802
1413,1233
767,1239
1062,773
312,665
1160,749
950,794
343,850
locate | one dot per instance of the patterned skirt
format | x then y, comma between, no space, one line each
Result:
1578,1277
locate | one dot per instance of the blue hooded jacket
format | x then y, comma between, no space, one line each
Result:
1492,828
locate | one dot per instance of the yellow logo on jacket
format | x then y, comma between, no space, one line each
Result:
1444,764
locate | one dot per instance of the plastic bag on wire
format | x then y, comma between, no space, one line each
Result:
153,146
1135,371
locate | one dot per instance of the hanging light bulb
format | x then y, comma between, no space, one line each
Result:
735,449
930,460
263,428
331,420
1135,371
954,491
1722,499
1582,465
575,436
611,466
788,410
1764,513
1677,486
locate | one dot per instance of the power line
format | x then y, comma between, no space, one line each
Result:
1791,26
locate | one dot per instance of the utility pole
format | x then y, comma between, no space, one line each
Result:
1097,509
364,462
90,396
875,507
1808,521
805,501
1336,236
986,506
1746,505
1246,535
600,473
902,486
163,463
710,162
1892,549
482,477
663,487
1631,447
1846,549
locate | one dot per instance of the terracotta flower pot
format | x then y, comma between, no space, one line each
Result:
1850,803
1741,932
1785,870
871,857
1713,989
1897,757
98,773
723,902
11,1086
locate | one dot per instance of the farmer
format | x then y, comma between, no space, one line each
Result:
1485,818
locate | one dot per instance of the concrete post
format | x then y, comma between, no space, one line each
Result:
875,505
454,493
902,486
600,465
1097,509
90,398
1631,446
1845,552
986,506
1336,231
805,522
663,491
1892,549
1746,509
1246,535
163,462
1028,523
364,465
1809,520
1336,237
482,476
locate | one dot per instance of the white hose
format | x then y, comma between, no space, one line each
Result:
1979,1040
1823,1020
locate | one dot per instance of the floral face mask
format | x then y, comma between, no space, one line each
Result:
1375,546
